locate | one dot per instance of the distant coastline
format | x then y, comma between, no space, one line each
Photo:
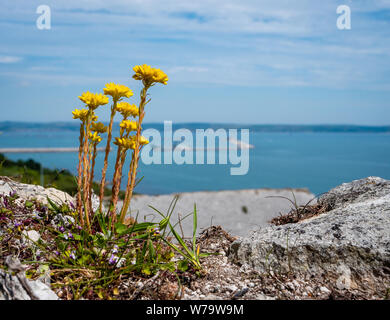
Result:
11,126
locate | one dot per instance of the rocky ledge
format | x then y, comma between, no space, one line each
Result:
348,246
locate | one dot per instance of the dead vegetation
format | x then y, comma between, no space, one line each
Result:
301,213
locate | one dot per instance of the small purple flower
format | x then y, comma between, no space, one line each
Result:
79,227
62,229
12,194
73,255
56,252
113,259
68,236
115,250
17,224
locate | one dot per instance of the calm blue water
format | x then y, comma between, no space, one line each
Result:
317,161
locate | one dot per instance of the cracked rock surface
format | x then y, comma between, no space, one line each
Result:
348,245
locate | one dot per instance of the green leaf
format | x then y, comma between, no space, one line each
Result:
207,254
53,205
77,237
146,270
85,259
167,266
120,228
102,222
181,241
142,226
28,204
177,249
195,226
152,252
163,223
182,265
143,252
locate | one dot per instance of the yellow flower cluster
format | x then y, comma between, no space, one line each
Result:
117,91
149,75
94,137
126,143
93,100
129,143
127,109
129,125
82,114
98,127
90,136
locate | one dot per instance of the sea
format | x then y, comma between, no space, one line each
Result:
314,157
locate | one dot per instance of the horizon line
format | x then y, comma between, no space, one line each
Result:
214,123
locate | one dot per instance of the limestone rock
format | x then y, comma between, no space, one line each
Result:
30,237
29,192
17,287
11,288
349,245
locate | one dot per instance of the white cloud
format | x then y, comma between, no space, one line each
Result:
9,59
250,42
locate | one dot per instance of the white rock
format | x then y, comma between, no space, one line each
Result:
30,236
296,284
29,192
11,288
231,288
344,281
264,297
325,290
211,297
290,286
348,244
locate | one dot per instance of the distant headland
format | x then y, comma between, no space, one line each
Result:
11,126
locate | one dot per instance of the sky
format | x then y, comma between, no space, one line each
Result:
247,61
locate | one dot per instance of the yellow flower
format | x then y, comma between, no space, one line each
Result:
129,125
80,114
149,75
125,143
127,109
160,76
93,100
117,91
143,140
129,143
94,137
98,127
